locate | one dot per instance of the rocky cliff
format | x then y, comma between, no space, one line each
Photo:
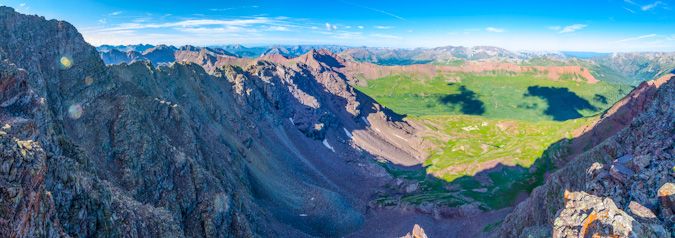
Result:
620,187
135,150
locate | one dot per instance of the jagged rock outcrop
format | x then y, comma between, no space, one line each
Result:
208,58
587,215
628,168
417,232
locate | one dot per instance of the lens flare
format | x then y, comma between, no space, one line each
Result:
66,62
75,111
89,80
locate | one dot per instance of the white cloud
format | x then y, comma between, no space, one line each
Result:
492,29
334,27
386,36
348,27
360,27
650,6
277,28
328,26
634,38
384,27
115,13
102,21
555,28
573,28
23,4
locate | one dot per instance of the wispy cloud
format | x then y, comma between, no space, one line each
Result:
384,27
360,27
187,23
634,38
23,4
370,8
230,8
103,21
650,6
573,28
386,36
349,35
628,9
116,13
555,28
218,30
492,29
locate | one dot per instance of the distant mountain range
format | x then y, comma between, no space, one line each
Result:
416,55
624,68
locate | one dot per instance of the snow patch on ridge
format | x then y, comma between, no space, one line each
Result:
366,121
400,137
325,143
348,134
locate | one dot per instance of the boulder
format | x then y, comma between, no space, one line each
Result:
417,232
641,213
640,162
666,199
625,160
620,172
586,215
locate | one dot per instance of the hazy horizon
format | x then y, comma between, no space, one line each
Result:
602,26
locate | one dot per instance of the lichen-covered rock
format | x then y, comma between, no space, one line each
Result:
417,232
587,215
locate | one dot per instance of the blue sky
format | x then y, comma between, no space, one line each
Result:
601,25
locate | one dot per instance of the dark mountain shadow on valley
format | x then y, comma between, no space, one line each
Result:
466,99
562,103
600,98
